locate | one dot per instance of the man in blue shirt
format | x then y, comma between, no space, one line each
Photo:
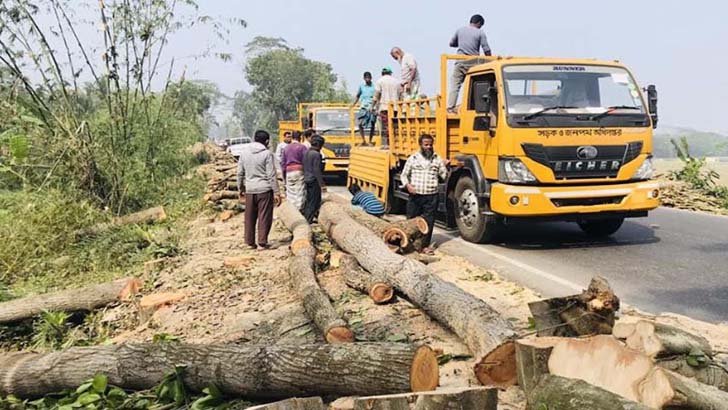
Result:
365,116
366,200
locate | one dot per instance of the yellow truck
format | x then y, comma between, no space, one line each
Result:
534,139
336,122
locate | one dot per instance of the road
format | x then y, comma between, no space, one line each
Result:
672,261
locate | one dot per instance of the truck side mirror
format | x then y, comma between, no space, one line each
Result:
481,123
652,103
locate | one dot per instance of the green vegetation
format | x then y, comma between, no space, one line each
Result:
696,174
702,144
282,77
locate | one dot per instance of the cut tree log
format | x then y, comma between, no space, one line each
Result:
148,216
486,333
69,300
462,398
303,278
711,374
554,392
304,403
373,285
401,236
255,372
219,195
588,313
659,340
606,363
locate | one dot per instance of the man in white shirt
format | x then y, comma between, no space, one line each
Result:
409,73
387,89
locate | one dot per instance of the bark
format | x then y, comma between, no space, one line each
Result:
423,258
658,340
468,398
220,195
554,392
588,313
255,372
148,216
373,285
711,374
304,403
604,362
303,278
70,300
486,333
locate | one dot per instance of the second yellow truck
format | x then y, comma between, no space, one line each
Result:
533,139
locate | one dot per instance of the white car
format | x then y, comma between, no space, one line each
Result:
237,144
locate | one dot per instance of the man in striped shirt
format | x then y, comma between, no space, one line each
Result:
366,200
421,176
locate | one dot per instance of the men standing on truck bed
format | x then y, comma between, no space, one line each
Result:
469,40
313,178
365,116
409,73
421,176
386,90
258,187
292,168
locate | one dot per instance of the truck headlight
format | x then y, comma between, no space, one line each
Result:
645,171
512,170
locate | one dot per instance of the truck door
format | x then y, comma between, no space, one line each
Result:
482,104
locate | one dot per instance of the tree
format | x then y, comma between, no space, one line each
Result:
282,77
251,114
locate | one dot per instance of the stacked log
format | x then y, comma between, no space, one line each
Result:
486,333
374,285
303,279
255,372
70,300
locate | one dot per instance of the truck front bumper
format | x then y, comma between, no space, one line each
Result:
630,199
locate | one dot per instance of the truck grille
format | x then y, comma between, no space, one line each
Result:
340,150
607,200
584,161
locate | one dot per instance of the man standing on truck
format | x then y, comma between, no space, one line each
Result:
313,178
409,74
386,90
421,176
469,40
258,187
292,169
365,116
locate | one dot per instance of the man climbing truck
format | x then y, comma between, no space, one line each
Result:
533,139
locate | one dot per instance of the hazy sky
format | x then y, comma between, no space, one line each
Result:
681,46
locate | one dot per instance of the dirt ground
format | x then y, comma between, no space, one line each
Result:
235,295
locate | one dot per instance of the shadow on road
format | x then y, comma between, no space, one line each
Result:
705,303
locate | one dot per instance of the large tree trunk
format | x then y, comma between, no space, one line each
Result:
374,285
606,363
305,403
256,372
400,236
486,333
711,374
303,279
658,340
554,392
69,300
588,313
467,398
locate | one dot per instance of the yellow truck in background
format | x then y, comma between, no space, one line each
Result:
336,122
533,139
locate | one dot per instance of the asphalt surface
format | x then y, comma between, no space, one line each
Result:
671,261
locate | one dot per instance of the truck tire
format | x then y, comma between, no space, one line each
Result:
601,227
473,224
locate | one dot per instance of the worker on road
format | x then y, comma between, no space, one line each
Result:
258,187
386,90
292,168
421,176
365,117
313,178
468,40
409,73
281,146
366,201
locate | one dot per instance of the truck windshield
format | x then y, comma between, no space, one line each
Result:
570,90
333,120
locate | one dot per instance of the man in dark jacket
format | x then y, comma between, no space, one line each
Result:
258,188
313,178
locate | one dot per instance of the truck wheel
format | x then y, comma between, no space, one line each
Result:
474,226
601,227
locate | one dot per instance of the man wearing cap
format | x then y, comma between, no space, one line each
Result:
387,89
